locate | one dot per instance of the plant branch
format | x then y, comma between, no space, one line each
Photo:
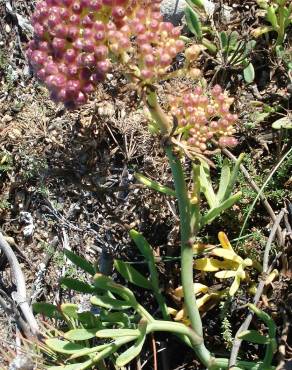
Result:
12,311
20,295
175,327
244,326
164,125
157,113
187,253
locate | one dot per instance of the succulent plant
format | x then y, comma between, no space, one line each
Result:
75,42
202,116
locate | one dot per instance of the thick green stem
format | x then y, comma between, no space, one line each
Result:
187,254
164,124
144,313
222,363
176,328
157,113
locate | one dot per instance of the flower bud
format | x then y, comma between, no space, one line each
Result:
193,52
225,141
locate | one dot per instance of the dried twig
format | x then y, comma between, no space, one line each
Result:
20,295
12,311
266,271
154,349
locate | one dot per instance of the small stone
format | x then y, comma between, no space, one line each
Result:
173,10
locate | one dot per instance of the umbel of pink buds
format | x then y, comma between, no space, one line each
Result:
75,40
204,116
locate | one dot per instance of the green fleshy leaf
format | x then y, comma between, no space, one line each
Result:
265,318
88,319
233,40
118,318
154,185
253,336
249,73
142,244
130,274
193,22
212,48
206,185
110,303
80,262
215,212
63,346
233,177
77,285
70,310
112,348
117,333
134,350
224,181
272,17
89,351
81,334
107,284
47,309
224,40
79,366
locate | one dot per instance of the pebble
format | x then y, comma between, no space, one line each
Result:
171,12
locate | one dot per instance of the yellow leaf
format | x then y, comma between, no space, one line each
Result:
235,285
225,274
212,264
207,297
247,262
198,288
201,248
224,241
206,264
203,300
181,316
272,276
171,311
240,273
227,254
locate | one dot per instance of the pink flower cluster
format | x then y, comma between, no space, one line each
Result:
203,116
74,40
157,42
